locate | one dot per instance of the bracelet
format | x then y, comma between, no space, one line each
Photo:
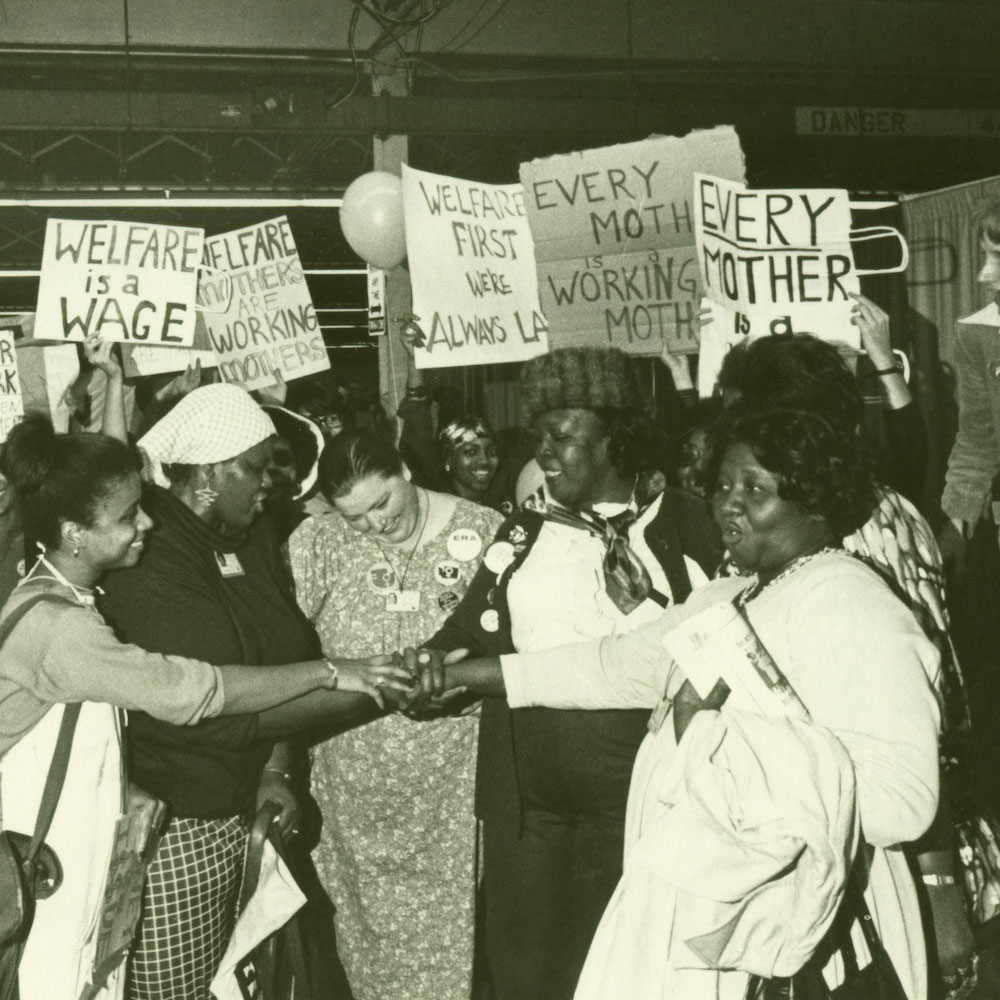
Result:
277,770
334,672
933,879
893,369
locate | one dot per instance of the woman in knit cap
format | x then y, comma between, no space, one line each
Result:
213,585
588,556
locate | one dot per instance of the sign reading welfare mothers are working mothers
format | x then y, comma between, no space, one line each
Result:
614,239
472,268
125,281
256,307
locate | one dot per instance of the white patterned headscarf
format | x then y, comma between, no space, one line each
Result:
214,423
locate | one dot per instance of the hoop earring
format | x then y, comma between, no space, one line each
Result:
206,496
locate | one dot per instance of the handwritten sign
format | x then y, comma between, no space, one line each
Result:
772,262
11,398
614,239
472,266
257,309
127,281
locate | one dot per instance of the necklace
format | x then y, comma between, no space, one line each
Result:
757,588
423,513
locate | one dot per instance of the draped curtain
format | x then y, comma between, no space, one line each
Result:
941,287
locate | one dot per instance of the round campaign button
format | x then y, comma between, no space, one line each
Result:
489,621
381,577
498,557
448,601
464,544
447,572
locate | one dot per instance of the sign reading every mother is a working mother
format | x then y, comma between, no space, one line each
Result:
614,239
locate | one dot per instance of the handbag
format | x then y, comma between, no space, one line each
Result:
876,981
29,868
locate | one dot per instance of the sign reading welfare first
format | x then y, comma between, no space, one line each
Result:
257,309
472,268
614,239
126,281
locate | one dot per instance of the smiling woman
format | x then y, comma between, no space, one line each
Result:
592,554
79,495
398,853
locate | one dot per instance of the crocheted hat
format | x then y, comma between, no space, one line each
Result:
588,378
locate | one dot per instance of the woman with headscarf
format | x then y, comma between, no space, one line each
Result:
213,585
589,555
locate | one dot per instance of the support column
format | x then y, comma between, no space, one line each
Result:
391,152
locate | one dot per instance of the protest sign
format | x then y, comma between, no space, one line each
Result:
614,239
126,281
775,261
11,399
472,267
138,360
257,308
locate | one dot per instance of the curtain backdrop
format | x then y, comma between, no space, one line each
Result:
940,227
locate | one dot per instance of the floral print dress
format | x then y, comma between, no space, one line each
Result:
398,853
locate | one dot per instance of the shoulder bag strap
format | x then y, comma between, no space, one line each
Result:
64,742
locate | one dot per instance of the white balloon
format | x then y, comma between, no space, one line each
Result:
371,218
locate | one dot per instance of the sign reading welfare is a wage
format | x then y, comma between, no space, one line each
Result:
614,239
126,281
257,309
772,262
11,398
472,267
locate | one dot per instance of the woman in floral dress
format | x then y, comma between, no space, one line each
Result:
398,854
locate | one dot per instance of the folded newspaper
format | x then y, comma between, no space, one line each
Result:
720,642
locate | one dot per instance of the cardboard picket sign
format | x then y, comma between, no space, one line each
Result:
774,262
614,239
126,281
11,396
256,307
472,268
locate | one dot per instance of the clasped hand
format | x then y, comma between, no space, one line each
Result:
430,693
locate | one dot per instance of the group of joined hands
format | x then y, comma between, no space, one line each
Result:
414,681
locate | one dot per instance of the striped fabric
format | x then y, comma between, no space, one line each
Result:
192,888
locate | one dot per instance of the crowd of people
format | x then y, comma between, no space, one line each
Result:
625,720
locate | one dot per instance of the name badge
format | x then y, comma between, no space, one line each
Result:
229,565
402,600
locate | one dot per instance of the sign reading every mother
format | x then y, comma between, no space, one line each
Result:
779,260
472,267
126,281
614,239
257,308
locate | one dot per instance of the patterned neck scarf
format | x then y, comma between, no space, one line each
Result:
626,580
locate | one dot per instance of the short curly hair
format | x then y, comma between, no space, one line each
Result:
797,371
818,466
